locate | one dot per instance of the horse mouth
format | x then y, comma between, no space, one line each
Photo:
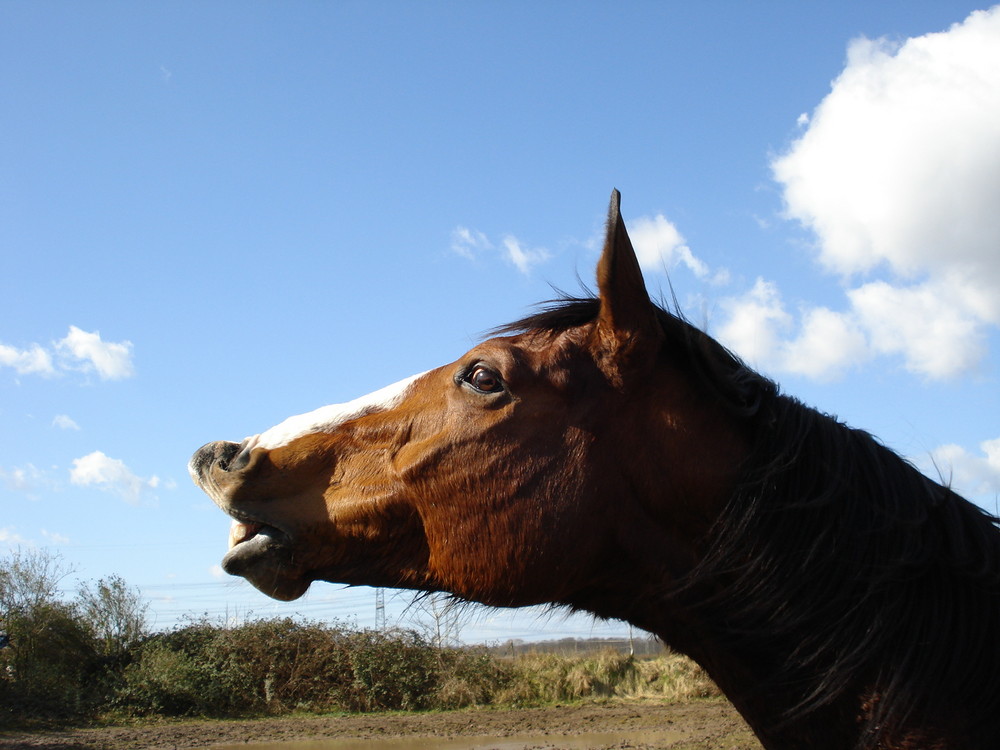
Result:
250,543
247,536
263,555
241,532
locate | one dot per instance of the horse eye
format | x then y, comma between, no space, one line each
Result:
485,380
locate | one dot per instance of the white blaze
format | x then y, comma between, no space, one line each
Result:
326,418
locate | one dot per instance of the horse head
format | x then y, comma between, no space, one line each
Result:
518,474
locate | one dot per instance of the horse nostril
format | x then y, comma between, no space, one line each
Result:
211,456
241,459
227,455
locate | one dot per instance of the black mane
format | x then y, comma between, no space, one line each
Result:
885,583
712,367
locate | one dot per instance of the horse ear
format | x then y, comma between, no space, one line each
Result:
627,335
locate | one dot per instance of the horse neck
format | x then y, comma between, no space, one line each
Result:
763,620
838,561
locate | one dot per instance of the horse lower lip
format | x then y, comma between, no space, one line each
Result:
265,540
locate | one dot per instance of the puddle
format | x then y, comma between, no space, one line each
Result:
516,742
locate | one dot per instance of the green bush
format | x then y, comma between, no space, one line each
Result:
79,659
162,681
208,670
48,671
65,659
276,666
394,670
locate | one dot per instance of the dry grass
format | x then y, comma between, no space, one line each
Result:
537,679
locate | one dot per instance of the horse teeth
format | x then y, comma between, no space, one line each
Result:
240,532
237,533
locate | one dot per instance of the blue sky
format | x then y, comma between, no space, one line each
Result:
216,215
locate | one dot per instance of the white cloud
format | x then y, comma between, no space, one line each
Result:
79,351
10,538
30,361
901,161
27,479
523,257
470,243
754,324
828,343
970,474
111,475
86,351
929,325
55,538
658,243
821,344
64,422
659,246
18,478
898,174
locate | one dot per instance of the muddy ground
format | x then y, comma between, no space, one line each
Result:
705,725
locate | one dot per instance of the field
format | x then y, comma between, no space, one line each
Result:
708,724
88,673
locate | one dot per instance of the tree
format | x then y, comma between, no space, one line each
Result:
115,612
442,617
28,580
46,667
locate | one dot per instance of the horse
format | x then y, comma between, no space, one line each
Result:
604,455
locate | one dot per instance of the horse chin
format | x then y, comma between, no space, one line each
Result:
265,561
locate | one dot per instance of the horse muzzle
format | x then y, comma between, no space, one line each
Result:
217,468
259,551
222,455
